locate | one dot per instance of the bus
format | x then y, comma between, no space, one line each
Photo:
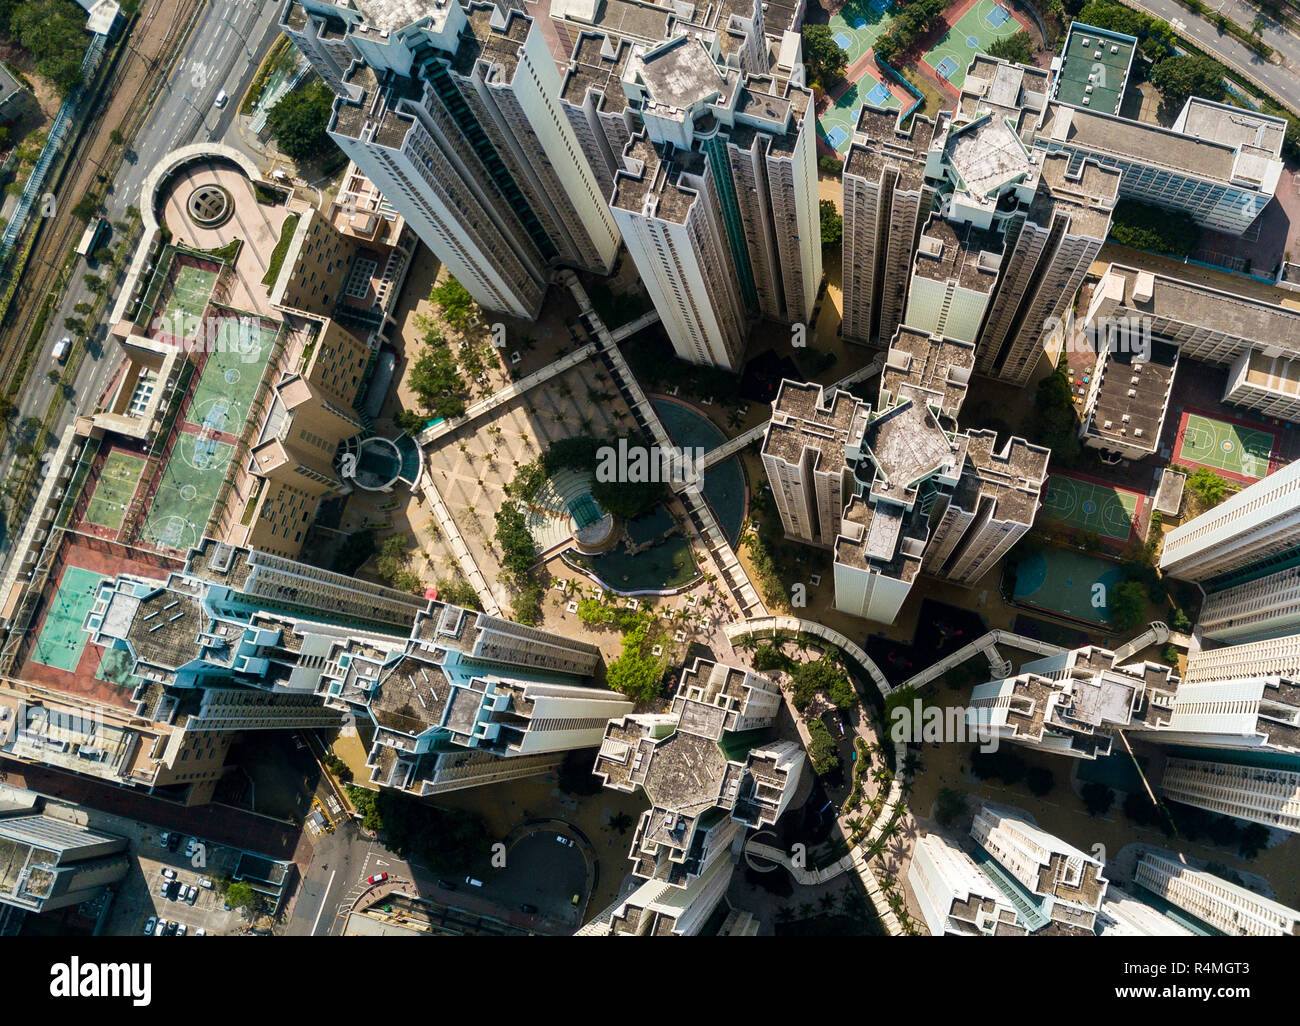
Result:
91,236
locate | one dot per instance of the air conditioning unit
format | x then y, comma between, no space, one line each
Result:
1087,101
1132,393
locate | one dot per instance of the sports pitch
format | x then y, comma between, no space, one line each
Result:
1065,582
983,24
189,298
113,490
1233,449
61,640
841,118
190,482
230,376
1111,512
855,27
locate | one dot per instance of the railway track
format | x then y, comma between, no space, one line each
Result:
45,262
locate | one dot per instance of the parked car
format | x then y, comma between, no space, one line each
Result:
161,929
472,882
180,930
164,838
530,909
564,840
191,893
205,883
173,842
377,878
574,901
168,873
163,887
446,885
150,926
192,846
200,932
171,929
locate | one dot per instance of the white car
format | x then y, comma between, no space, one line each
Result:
150,926
161,928
180,930
205,883
200,932
564,840
168,873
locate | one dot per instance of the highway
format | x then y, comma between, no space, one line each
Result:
1281,82
223,50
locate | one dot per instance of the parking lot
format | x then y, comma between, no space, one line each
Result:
140,899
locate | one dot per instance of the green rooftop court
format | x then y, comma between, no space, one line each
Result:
231,374
1094,68
114,488
185,496
855,27
1067,583
984,23
1092,506
1234,450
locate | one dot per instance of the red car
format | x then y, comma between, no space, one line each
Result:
378,878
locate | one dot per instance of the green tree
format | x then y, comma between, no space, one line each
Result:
298,122
1188,75
1097,798
519,551
1018,48
457,305
54,33
1128,604
823,55
949,804
822,750
436,381
1207,486
458,592
832,224
241,895
86,207
116,137
1039,781
635,673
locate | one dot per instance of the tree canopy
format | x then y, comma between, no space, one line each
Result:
298,122
823,56
436,380
1188,75
1018,48
635,672
54,33
832,224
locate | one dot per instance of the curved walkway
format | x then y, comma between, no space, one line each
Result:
772,624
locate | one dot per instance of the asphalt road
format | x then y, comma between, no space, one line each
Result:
223,52
1282,82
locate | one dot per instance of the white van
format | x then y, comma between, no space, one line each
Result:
472,882
220,100
62,348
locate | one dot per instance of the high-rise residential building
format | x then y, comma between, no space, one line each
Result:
1259,793
1276,657
1255,529
954,275
596,105
1254,336
1059,888
1255,606
659,909
956,897
803,454
886,203
1123,915
709,776
716,195
1227,907
1128,397
472,699
454,113
1070,703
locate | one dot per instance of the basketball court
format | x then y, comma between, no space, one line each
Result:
61,639
182,318
117,483
855,27
1234,450
1067,583
1092,506
983,24
231,374
190,482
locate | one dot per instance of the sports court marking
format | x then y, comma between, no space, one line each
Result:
984,23
1092,506
61,640
231,375
113,491
1064,582
840,120
189,298
185,496
1234,450
855,28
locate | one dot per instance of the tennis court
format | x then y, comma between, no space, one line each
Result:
840,120
982,25
61,640
113,490
1092,506
1065,582
1235,450
231,374
190,482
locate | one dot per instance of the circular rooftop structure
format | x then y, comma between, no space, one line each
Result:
209,206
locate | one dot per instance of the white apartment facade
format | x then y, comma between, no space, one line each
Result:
1231,909
1258,794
